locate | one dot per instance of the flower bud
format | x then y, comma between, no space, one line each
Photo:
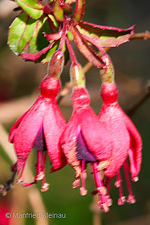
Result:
56,64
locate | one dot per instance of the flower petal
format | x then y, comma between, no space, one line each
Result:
27,131
53,125
111,117
135,151
14,128
68,140
95,135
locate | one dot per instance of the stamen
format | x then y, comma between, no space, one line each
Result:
108,184
45,186
39,174
104,200
118,184
126,166
44,154
98,180
131,198
20,180
28,184
76,182
83,190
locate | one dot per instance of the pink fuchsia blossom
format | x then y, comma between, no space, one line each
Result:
126,141
40,128
85,140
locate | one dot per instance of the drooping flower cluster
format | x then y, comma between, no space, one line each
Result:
104,141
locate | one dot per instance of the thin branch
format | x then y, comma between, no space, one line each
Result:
96,211
131,110
8,185
65,91
145,36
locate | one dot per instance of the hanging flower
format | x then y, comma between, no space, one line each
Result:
40,128
124,136
85,139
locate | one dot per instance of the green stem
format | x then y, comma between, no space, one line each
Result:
77,75
107,72
76,70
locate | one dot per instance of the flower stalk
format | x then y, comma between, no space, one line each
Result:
107,71
76,71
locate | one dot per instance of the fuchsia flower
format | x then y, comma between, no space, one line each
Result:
85,140
40,128
125,139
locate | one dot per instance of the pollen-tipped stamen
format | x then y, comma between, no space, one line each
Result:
83,190
104,200
131,198
39,173
107,184
76,182
134,179
45,186
21,179
118,184
29,184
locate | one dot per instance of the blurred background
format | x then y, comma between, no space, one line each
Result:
19,82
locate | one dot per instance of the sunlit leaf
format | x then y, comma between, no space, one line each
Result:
105,36
86,50
32,7
70,1
58,11
38,42
46,58
21,32
36,55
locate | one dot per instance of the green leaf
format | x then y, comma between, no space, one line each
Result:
55,23
20,32
58,11
105,36
38,42
46,58
32,7
70,1
70,36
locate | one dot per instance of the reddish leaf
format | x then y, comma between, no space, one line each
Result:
79,10
86,50
105,36
36,55
55,36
